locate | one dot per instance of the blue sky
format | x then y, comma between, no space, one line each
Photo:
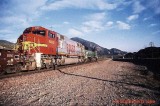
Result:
128,25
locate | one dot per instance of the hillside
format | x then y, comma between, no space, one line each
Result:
101,50
149,52
6,44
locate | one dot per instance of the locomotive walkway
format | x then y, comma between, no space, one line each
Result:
100,83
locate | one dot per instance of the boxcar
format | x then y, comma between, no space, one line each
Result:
8,59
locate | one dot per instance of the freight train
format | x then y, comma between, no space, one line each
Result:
39,48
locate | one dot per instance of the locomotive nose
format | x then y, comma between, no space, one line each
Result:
21,38
19,44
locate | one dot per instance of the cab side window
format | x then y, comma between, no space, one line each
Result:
51,35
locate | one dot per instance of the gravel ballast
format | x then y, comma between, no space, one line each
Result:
100,83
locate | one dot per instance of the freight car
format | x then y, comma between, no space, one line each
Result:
91,55
8,59
39,47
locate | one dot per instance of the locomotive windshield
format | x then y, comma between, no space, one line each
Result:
28,30
39,32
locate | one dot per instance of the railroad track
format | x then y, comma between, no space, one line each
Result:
23,73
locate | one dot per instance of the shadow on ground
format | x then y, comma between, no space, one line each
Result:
132,86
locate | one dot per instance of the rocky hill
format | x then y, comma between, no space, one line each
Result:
6,44
149,52
101,50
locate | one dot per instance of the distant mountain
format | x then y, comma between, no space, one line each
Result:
6,44
117,51
101,50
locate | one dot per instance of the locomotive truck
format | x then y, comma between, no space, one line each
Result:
39,48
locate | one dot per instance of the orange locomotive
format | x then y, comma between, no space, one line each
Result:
38,40
43,48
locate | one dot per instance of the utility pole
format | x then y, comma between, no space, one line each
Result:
151,44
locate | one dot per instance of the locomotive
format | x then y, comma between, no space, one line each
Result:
39,48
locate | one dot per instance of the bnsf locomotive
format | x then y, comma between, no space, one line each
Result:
39,47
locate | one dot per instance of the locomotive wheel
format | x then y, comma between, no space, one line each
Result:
55,66
89,59
10,69
85,60
38,68
96,59
2,73
18,68
47,66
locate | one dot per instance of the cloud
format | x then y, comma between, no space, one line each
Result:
9,37
105,6
66,22
146,18
155,5
94,22
74,32
20,13
123,26
137,7
17,15
96,16
89,26
133,17
156,32
8,34
27,6
84,4
109,24
5,31
15,21
151,5
152,25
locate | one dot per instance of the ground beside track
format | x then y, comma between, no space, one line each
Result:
100,83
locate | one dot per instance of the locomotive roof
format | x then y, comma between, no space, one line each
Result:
65,37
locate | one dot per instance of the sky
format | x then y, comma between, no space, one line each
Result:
128,25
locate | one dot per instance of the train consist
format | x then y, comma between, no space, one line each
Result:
39,48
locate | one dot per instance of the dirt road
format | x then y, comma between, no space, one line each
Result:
101,83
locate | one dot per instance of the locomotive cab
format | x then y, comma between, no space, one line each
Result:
36,43
38,40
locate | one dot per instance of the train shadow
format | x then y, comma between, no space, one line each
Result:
85,76
123,81
129,87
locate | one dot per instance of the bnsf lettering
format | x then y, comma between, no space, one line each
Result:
70,48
